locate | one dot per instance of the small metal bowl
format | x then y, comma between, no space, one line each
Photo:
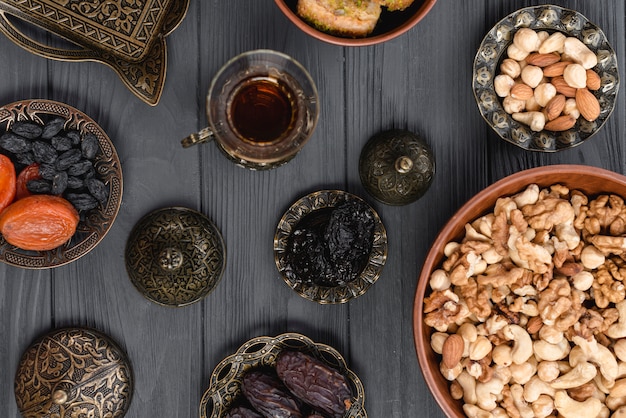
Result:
224,390
325,199
390,25
492,51
95,223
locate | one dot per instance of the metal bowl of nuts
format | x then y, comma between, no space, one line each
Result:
60,183
545,78
273,376
330,246
520,305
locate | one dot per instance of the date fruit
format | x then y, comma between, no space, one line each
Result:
8,181
242,412
314,382
269,396
38,222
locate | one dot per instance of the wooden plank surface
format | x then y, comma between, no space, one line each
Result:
420,81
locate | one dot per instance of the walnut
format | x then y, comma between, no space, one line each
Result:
606,289
477,299
442,309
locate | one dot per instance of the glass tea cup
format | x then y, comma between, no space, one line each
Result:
262,107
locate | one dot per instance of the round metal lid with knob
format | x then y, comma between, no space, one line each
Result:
396,167
73,372
175,256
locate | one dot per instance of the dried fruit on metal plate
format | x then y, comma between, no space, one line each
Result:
29,130
82,201
90,146
242,412
39,222
7,181
67,159
98,190
269,396
314,382
52,127
44,152
27,174
15,143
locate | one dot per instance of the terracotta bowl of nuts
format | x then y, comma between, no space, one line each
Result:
545,78
356,23
60,184
520,306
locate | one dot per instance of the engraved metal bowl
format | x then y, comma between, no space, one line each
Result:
590,180
390,25
492,51
94,224
175,256
324,199
224,391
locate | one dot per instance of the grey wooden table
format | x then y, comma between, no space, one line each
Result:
420,81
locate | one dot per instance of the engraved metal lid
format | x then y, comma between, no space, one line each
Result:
396,167
71,372
175,256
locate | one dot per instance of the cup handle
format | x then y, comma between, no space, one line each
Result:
205,135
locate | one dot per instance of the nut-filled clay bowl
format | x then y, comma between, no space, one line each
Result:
522,286
545,78
381,23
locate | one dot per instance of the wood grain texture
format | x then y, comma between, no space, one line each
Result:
420,81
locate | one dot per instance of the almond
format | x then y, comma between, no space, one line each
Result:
587,104
543,60
556,69
593,80
562,123
534,324
555,106
521,91
562,87
452,350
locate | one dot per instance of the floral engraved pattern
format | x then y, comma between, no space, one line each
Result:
120,15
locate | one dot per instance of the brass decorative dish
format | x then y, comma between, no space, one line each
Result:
73,372
224,389
492,51
127,36
319,201
175,256
95,223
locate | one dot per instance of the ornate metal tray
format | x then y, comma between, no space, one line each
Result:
224,389
127,35
95,223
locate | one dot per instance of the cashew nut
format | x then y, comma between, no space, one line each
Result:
488,393
468,383
536,387
579,375
551,352
535,120
522,343
599,355
570,408
472,411
618,329
620,412
578,52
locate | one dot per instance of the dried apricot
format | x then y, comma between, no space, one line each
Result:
39,222
7,181
27,174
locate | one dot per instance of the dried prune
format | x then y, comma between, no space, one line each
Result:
268,395
242,412
39,186
82,201
314,382
15,143
79,168
61,143
90,146
29,130
97,189
44,152
52,127
68,158
59,183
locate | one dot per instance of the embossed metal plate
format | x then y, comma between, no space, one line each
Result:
338,294
492,51
224,389
127,35
73,372
175,256
96,223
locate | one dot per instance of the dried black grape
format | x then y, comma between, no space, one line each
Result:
39,186
25,158
59,183
68,158
242,412
90,146
80,168
74,136
15,143
44,152
52,127
82,201
74,183
97,189
268,395
48,171
61,143
29,130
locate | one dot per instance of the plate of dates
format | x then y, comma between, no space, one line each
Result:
330,246
61,176
284,376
